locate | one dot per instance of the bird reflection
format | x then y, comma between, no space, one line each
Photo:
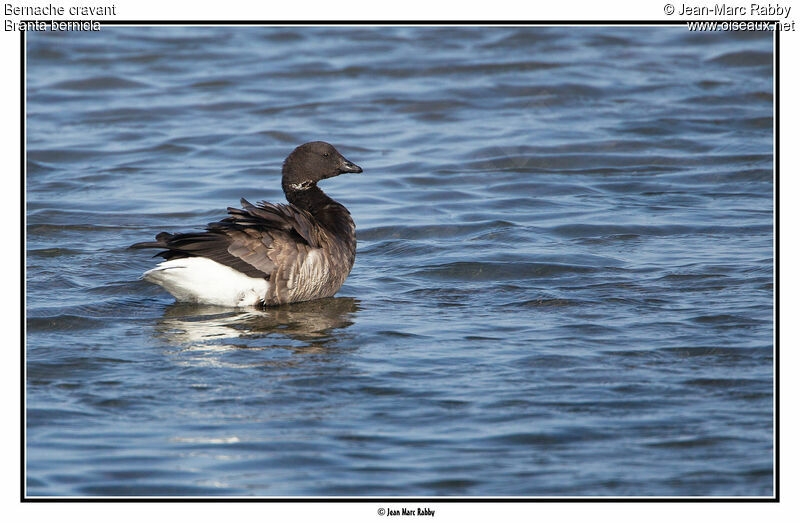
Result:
207,332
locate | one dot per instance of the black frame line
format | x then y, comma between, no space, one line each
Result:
431,500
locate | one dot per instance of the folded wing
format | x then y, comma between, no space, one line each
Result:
252,240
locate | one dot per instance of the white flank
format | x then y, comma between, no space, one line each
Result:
201,280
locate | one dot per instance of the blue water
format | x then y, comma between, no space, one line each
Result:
563,286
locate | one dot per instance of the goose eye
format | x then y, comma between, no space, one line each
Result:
325,155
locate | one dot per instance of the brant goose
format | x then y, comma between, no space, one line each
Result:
267,254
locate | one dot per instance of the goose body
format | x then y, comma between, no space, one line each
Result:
267,254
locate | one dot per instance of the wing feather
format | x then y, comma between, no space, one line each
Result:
251,240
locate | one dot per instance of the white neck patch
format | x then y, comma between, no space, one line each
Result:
300,186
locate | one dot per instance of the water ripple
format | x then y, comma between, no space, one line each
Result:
563,282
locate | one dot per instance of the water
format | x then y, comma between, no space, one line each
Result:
564,279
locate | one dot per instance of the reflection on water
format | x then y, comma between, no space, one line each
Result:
203,333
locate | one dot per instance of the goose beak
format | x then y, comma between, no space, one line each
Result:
349,167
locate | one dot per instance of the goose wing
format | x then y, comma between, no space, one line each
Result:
254,240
